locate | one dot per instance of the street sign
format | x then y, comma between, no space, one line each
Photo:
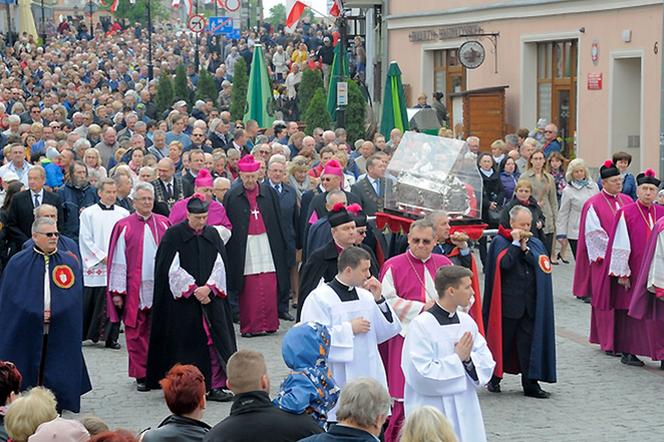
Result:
342,93
232,5
220,25
196,23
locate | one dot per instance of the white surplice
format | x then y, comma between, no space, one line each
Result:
436,376
94,239
351,356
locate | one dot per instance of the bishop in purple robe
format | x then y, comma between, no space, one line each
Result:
597,218
203,184
259,266
132,251
625,256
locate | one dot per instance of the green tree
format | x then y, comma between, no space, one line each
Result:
317,114
181,89
277,15
239,92
356,113
138,11
206,89
164,92
311,82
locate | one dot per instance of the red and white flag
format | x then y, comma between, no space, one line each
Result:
294,10
335,10
221,3
190,7
175,4
114,6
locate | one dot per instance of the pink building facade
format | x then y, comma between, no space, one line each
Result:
592,67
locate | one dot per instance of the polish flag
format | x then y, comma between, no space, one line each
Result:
221,3
190,7
175,4
294,10
335,10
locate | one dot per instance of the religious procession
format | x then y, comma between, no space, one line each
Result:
212,234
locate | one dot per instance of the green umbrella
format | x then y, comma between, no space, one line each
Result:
394,103
335,78
259,93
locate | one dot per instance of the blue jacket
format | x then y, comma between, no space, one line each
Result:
74,200
54,175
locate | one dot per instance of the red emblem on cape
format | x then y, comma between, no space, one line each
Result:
545,264
63,276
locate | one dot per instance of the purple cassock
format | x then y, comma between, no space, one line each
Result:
624,258
648,298
597,219
216,214
133,246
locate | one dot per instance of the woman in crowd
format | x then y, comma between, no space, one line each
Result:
493,196
523,197
298,176
92,159
509,175
544,192
29,411
556,165
7,246
427,424
184,393
579,188
622,160
10,385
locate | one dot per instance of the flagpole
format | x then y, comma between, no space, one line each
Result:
92,28
198,46
341,20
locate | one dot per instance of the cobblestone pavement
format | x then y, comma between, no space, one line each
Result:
596,398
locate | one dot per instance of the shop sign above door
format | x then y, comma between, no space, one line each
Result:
446,33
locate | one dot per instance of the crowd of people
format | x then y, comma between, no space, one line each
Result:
175,226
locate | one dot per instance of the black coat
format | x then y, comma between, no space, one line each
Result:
21,214
518,283
340,433
219,142
369,200
177,428
492,192
177,333
237,210
254,418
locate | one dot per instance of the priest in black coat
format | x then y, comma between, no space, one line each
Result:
191,316
259,252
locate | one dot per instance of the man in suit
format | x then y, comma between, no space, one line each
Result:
168,188
196,161
277,178
21,210
371,189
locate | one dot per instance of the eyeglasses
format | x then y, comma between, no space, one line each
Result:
426,242
327,178
264,152
50,234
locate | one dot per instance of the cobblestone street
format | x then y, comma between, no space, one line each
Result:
596,398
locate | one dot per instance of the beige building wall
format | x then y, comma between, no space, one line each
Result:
600,114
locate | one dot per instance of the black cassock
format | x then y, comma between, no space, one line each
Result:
177,334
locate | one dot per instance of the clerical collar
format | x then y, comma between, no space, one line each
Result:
105,207
344,292
443,316
423,261
143,218
347,287
647,208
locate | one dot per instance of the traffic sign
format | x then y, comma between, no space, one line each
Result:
232,5
220,25
196,23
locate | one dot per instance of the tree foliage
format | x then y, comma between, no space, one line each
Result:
138,12
277,15
356,113
181,89
312,80
239,92
206,89
164,92
317,114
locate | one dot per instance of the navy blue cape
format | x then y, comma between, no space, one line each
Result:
22,316
543,349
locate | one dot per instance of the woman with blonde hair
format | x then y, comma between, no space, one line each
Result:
92,159
544,192
29,411
427,424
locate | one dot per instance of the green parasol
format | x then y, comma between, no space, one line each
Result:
394,103
259,93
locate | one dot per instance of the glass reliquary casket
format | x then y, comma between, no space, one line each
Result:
429,173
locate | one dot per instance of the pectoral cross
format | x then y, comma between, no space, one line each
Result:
255,212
